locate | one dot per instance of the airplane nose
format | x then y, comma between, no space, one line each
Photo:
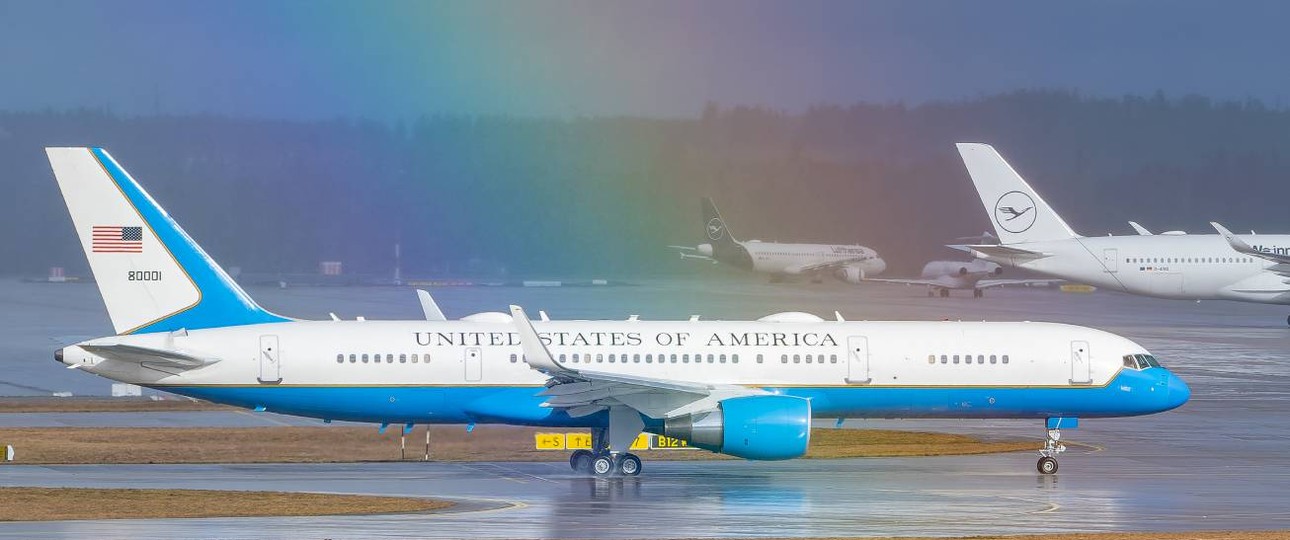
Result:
879,266
1178,392
58,356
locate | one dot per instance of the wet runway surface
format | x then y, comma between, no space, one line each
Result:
1218,462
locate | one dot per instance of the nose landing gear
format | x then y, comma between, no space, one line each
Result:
1048,456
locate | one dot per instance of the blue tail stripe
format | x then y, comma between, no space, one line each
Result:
221,301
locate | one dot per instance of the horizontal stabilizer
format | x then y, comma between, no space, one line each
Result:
138,354
1001,252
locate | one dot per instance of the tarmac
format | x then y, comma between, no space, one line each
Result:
1215,463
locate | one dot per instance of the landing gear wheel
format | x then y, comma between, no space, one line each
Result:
629,465
945,293
1288,319
931,293
602,465
978,293
580,460
1047,465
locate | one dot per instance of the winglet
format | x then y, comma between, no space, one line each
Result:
535,352
429,307
1142,231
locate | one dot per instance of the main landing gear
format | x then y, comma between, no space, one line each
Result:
1288,319
1048,456
607,458
978,293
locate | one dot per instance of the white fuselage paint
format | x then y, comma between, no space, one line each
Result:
959,274
768,353
778,258
1191,267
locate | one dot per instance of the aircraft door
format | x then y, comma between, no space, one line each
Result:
858,360
474,364
270,360
1081,368
1111,260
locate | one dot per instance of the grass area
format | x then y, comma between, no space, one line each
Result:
77,405
347,444
55,504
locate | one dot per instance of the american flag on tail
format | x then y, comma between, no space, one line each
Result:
117,239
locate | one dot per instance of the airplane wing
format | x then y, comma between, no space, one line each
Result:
148,355
1242,247
992,283
816,267
1001,252
581,392
1142,231
927,282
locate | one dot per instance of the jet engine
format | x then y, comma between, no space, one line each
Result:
752,427
850,274
705,249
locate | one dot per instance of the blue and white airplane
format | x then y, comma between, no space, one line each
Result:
744,388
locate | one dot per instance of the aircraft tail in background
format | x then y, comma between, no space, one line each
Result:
1018,213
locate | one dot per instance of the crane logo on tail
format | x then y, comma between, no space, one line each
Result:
1014,212
716,229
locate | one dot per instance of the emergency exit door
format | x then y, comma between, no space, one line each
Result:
474,364
1081,369
270,360
858,360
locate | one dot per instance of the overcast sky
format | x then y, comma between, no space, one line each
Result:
398,60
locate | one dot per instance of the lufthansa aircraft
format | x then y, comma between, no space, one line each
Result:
1223,266
744,388
850,263
945,276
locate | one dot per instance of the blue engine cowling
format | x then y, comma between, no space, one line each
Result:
753,427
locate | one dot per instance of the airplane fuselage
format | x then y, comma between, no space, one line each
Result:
462,372
1196,267
779,258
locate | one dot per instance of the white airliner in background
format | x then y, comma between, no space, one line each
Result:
743,388
850,263
944,276
1224,266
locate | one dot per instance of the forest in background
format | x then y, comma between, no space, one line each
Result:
603,197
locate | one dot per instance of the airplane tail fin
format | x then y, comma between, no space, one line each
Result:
714,227
153,277
1018,214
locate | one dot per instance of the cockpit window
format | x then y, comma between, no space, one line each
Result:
1140,361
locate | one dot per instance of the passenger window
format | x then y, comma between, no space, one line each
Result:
944,359
562,358
353,358
994,359
722,358
576,356
808,358
783,358
759,358
956,359
833,359
1005,359
389,358
649,359
365,359
414,358
636,358
734,359
931,359
797,359
340,359
980,358
673,358
711,358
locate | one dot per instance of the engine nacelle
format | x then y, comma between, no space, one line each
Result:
850,274
752,427
704,249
